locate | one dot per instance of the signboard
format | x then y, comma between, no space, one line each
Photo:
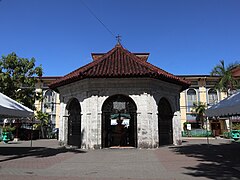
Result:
125,122
189,127
119,105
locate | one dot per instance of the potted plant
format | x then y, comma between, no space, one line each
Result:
7,133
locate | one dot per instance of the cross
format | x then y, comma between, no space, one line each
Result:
118,37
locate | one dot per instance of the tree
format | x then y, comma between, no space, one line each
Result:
18,78
199,111
227,82
44,122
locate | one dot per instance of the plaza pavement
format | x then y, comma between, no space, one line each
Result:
194,159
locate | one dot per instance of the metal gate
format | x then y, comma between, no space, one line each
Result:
165,116
74,123
119,122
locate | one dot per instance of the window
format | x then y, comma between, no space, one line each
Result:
194,83
45,85
211,83
49,102
191,98
48,96
212,96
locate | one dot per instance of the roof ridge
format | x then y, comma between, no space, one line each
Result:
106,55
102,58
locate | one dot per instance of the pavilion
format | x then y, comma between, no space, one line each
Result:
119,99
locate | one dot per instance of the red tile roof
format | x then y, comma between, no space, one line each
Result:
143,56
118,63
236,71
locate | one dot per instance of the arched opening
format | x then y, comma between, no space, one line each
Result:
74,123
49,106
119,122
212,97
191,98
165,116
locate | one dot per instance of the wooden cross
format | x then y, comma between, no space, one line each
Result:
118,37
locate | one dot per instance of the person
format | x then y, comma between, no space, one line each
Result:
119,133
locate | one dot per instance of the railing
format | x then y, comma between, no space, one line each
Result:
196,133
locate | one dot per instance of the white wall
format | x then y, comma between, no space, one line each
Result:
146,94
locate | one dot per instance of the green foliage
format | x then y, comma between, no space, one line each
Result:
185,123
198,110
8,128
18,78
44,122
227,81
42,117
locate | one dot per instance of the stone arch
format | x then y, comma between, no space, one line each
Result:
119,121
165,125
74,123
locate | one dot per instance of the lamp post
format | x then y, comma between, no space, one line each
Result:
207,130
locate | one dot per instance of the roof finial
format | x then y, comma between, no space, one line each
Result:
118,37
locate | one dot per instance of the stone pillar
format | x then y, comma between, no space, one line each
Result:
63,125
93,129
177,136
145,121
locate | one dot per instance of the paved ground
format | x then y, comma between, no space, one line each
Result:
194,159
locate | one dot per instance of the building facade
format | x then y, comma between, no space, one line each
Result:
203,90
50,103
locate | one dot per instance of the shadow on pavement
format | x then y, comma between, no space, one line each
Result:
219,161
11,153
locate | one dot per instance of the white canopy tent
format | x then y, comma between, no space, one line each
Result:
11,108
227,107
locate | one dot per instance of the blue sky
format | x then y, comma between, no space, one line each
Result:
183,37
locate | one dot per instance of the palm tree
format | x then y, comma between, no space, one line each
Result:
44,121
227,83
199,111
